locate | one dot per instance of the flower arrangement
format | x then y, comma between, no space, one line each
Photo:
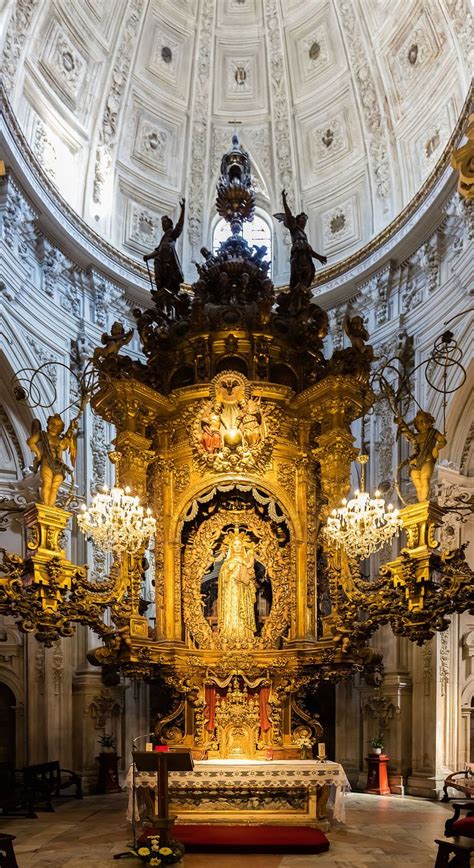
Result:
107,742
305,742
377,743
151,852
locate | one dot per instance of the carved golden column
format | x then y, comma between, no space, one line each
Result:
334,403
303,631
131,407
132,457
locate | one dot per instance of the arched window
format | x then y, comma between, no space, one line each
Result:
257,232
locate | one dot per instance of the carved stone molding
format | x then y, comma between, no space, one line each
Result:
103,707
17,32
200,124
444,661
374,118
114,99
380,708
282,138
57,668
427,657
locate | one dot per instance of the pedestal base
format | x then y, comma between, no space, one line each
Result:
377,776
108,773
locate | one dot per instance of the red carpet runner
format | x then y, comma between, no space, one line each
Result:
251,839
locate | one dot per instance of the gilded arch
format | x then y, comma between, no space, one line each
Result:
279,561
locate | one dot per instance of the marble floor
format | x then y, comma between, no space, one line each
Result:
380,830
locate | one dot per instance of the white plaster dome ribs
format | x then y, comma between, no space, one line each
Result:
128,105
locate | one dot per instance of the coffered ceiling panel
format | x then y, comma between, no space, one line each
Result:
316,53
348,104
164,55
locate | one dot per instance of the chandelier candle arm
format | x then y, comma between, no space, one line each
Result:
116,522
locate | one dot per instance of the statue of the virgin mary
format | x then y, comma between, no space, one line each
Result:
237,589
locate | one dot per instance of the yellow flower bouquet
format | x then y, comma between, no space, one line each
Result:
152,853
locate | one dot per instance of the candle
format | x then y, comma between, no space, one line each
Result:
149,746
321,750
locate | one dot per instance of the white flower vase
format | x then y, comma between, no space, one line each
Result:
377,751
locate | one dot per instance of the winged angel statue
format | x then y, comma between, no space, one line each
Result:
302,254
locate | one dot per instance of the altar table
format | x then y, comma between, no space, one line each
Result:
245,791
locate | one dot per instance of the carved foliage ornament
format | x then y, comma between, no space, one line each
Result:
277,560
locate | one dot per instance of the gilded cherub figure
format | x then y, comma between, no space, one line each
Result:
112,342
358,335
168,271
48,447
427,442
302,270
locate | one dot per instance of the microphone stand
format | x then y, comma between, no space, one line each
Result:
127,854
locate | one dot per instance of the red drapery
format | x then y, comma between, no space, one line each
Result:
210,697
263,696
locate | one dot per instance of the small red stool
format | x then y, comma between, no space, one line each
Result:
377,775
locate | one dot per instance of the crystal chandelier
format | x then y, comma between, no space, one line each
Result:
116,522
363,525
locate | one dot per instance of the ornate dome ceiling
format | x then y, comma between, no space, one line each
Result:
129,104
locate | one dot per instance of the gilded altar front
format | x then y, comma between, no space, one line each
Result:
241,791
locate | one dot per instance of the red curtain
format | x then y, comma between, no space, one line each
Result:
263,696
210,697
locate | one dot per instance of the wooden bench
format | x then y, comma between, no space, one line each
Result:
15,798
459,848
462,781
456,825
48,780
7,853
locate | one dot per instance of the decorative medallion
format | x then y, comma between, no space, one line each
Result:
166,54
240,75
314,50
231,428
412,55
337,223
328,138
431,144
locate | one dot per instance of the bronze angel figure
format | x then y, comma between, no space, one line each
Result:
302,270
168,271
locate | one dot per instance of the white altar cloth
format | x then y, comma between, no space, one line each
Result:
267,774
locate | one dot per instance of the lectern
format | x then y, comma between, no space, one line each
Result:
161,764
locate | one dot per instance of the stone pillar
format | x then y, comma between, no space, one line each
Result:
349,730
396,726
35,690
422,780
97,710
